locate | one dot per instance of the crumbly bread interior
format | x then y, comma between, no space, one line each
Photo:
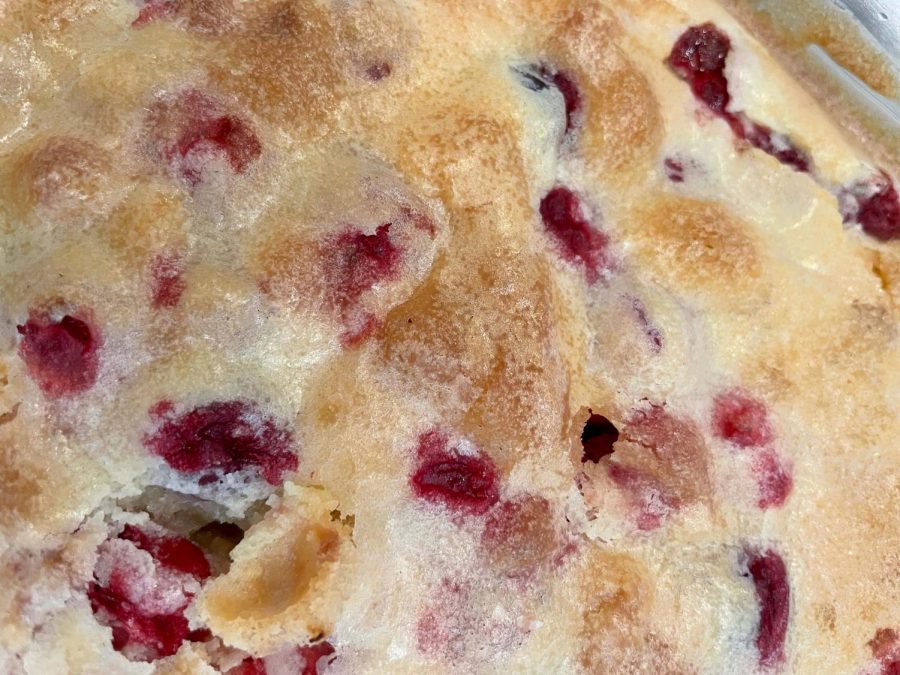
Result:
351,297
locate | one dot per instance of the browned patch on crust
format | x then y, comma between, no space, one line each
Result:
616,637
694,243
621,126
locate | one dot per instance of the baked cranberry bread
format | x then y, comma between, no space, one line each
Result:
361,336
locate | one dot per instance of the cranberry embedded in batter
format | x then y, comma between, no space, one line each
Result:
312,656
227,436
597,438
143,581
774,479
168,284
741,419
875,205
698,57
773,593
191,127
356,261
60,355
577,239
461,482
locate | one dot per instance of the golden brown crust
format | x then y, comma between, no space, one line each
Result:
435,337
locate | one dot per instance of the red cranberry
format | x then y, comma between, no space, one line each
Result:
227,436
176,553
61,356
192,126
356,261
142,588
875,205
464,483
741,419
312,656
773,593
168,284
249,666
774,479
698,57
577,239
597,438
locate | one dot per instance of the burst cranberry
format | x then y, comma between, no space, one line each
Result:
577,239
312,656
176,553
356,261
597,438
61,356
769,141
466,483
143,581
698,57
741,419
191,127
224,436
773,593
774,479
168,284
875,205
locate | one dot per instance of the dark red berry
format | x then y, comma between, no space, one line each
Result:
312,656
741,419
144,606
224,436
875,205
698,57
60,355
462,482
174,552
249,666
356,261
774,479
577,239
769,141
597,438
168,284
769,574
